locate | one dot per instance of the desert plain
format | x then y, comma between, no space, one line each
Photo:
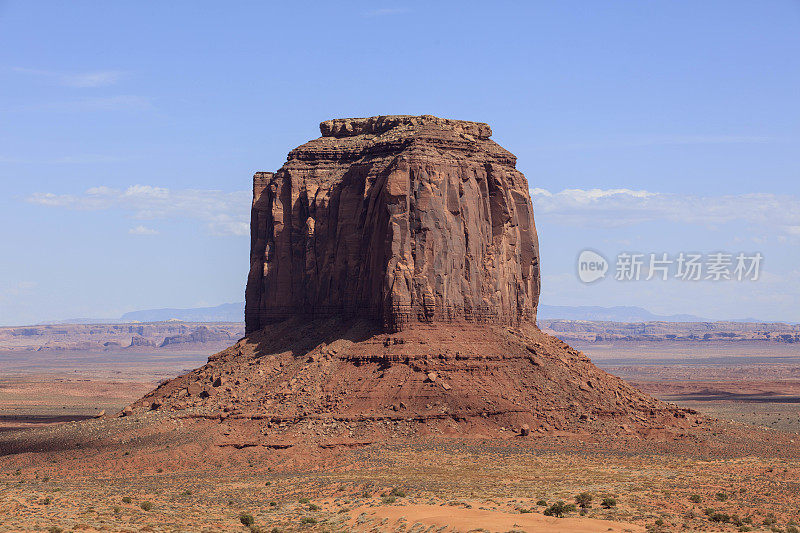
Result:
741,474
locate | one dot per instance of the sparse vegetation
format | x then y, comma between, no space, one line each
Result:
608,502
584,500
247,520
721,496
127,499
388,499
313,507
541,503
146,506
307,520
695,498
559,509
303,500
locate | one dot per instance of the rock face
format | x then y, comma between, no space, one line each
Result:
398,218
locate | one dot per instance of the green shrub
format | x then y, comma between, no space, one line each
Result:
46,501
541,503
608,502
146,505
117,509
659,522
308,520
559,509
246,519
695,498
388,499
313,507
719,517
273,504
304,500
584,500
186,493
398,493
721,496
54,529
126,499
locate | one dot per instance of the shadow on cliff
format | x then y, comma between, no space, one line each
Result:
300,335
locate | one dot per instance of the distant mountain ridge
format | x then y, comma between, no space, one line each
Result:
232,312
611,314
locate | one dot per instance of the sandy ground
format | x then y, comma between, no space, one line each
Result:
445,486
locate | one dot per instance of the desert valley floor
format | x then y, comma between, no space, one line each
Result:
744,475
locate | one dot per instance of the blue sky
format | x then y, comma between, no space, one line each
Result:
129,133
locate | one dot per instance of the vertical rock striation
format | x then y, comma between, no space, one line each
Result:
396,218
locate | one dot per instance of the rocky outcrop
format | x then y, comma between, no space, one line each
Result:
402,219
198,335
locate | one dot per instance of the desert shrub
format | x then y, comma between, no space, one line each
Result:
721,496
695,498
582,512
745,528
584,500
54,529
186,493
366,494
770,521
541,503
398,493
146,505
659,522
126,499
792,529
388,499
303,500
710,511
559,509
608,502
313,507
525,511
246,519
308,520
273,504
117,509
719,517
46,501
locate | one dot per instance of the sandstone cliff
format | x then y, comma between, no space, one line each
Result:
396,218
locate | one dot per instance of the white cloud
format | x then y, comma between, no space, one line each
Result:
622,207
223,213
90,79
142,230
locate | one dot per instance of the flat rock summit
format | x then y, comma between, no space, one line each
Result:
393,285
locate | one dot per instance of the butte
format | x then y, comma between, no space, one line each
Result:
394,279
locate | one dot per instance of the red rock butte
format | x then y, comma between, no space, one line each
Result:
394,279
400,219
